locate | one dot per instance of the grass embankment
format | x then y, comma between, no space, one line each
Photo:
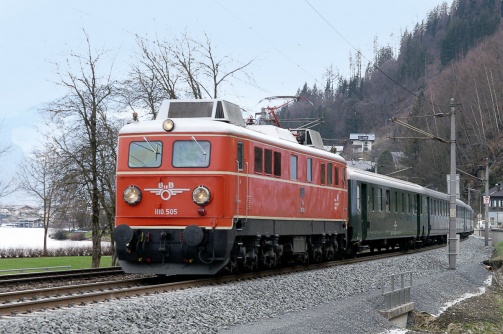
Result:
498,253
76,262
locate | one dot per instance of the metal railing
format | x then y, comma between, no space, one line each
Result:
396,289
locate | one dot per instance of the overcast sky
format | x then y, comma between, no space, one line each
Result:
292,42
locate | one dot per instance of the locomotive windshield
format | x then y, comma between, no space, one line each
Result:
191,153
145,154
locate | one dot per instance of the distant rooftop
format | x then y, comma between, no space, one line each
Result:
362,136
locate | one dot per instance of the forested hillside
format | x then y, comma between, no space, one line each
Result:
456,52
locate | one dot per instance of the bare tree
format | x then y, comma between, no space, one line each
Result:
179,68
39,176
6,187
82,116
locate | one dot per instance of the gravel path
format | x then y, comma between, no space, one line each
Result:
335,300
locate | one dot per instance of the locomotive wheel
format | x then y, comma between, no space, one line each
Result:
317,255
231,266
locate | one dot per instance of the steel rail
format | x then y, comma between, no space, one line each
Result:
122,289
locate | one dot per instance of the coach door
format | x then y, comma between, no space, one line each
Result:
363,201
419,211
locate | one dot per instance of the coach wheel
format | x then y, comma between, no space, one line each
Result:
404,246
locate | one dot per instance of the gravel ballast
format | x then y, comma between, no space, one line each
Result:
343,299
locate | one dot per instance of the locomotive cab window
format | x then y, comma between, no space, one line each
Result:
191,153
145,154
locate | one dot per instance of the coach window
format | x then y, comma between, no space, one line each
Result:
322,173
293,167
309,169
277,164
329,174
388,194
240,155
379,199
268,161
396,201
358,199
258,160
336,176
372,199
145,154
403,203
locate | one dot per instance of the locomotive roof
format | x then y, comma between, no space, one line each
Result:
264,133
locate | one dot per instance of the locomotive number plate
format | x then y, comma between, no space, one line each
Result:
165,212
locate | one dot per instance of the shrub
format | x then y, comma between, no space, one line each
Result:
52,252
77,236
60,235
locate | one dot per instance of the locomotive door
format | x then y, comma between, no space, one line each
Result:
242,182
364,210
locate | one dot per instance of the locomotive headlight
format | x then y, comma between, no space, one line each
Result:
168,125
132,195
201,195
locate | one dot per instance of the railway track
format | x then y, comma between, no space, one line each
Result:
59,275
28,301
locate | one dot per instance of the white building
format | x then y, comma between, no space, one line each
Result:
362,142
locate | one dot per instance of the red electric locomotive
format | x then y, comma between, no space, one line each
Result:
200,192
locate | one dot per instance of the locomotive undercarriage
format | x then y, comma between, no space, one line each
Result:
258,252
197,251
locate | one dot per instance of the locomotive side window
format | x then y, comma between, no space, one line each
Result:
258,160
277,164
309,169
145,154
396,201
268,161
403,203
329,174
336,176
293,167
191,153
322,173
240,156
